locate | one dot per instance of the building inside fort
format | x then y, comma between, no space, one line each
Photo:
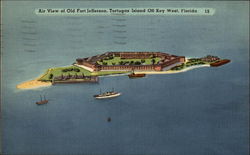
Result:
166,61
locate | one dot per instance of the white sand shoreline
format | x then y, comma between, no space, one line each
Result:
172,71
33,84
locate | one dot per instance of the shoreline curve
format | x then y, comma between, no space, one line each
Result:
33,84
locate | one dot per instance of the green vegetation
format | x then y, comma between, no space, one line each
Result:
51,76
74,70
118,61
70,70
189,63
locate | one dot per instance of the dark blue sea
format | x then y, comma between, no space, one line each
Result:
204,111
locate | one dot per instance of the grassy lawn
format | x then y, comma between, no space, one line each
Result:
61,70
189,63
78,70
116,61
73,70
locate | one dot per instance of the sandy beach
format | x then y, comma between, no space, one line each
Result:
32,84
172,71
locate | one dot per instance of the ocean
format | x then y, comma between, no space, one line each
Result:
204,111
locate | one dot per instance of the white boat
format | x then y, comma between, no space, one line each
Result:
109,94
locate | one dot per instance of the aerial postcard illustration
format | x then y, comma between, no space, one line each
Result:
125,77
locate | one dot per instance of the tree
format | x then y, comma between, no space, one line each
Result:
76,69
142,61
51,76
113,63
137,63
121,62
153,61
64,70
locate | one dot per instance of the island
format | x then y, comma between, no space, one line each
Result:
89,69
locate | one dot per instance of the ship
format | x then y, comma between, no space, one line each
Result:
219,63
109,119
42,101
109,94
139,75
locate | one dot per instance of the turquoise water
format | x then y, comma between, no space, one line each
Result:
202,111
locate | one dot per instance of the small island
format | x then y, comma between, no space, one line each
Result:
120,63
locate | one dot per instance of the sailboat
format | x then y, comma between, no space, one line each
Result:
42,101
109,94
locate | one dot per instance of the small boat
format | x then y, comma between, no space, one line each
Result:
133,75
219,63
42,101
109,119
109,94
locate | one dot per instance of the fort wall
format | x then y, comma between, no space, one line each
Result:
131,67
166,60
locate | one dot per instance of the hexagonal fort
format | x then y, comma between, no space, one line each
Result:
126,61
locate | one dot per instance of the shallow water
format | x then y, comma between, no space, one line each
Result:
202,111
